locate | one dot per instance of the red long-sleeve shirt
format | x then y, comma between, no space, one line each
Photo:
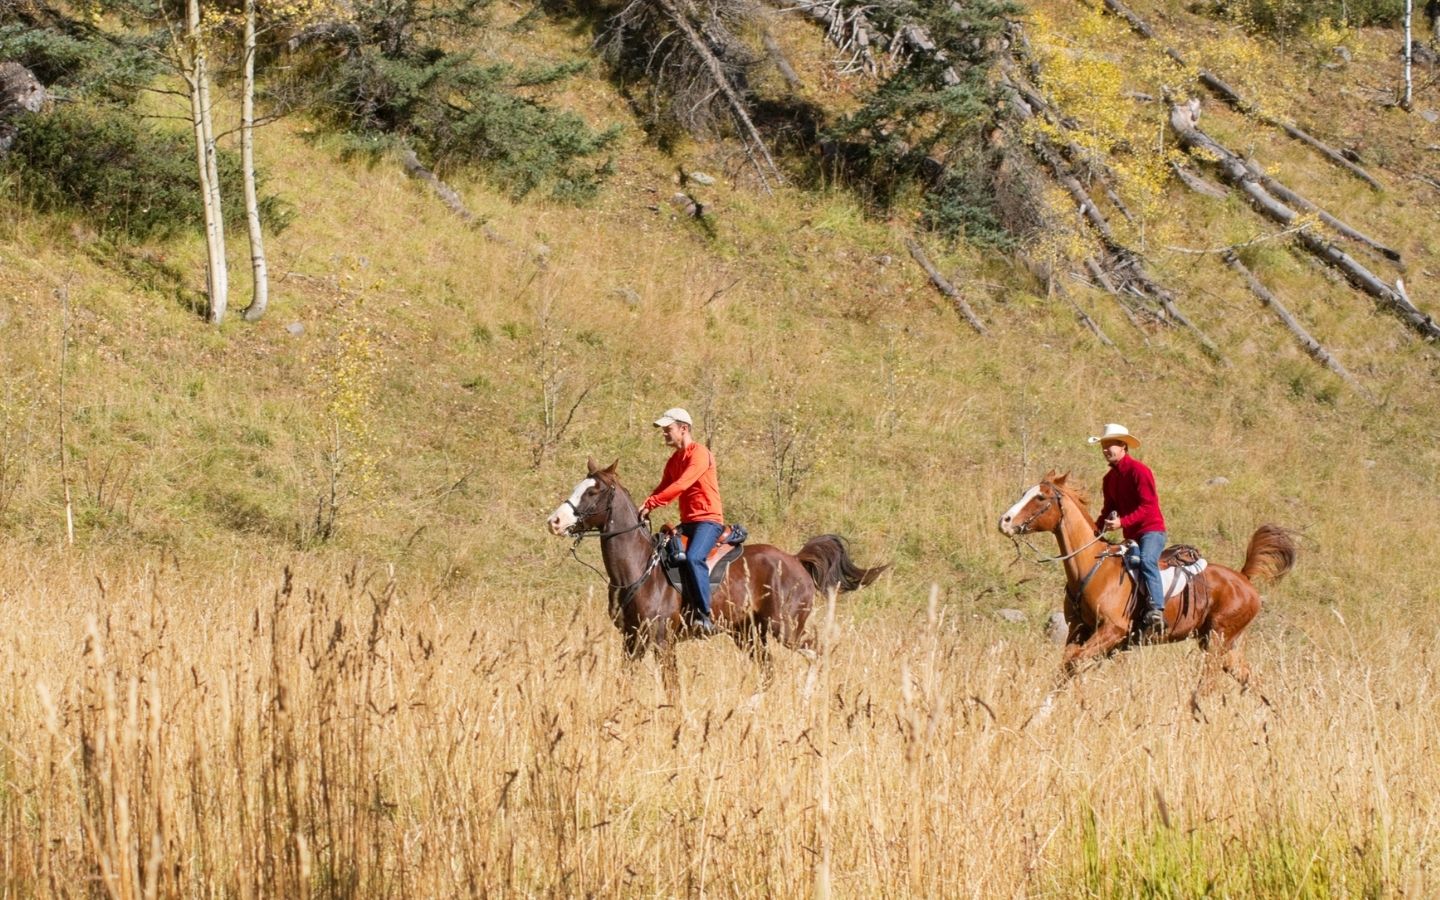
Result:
690,475
1129,489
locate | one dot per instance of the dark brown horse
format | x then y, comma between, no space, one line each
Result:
1100,599
767,593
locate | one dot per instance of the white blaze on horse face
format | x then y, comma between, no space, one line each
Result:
1007,521
563,518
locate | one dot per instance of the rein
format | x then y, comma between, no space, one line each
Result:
603,535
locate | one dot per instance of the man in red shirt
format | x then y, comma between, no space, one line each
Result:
1133,505
690,476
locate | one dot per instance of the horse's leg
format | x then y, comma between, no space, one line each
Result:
1106,638
754,637
636,643
663,642
1234,661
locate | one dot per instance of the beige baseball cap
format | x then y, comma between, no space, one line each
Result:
673,415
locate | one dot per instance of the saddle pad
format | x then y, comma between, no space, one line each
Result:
1177,578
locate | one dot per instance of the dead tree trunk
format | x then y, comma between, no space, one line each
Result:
1312,347
1233,170
1055,285
21,93
944,286
750,137
1097,272
1225,92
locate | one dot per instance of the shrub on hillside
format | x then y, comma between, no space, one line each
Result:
457,114
102,67
1285,18
122,176
385,79
925,125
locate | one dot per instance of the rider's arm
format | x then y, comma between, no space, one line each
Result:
670,489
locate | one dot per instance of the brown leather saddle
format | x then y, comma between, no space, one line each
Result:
726,550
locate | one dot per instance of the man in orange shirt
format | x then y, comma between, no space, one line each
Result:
690,476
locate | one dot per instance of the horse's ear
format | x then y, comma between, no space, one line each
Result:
610,470
1053,475
1060,479
591,465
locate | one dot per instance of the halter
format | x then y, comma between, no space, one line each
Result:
601,533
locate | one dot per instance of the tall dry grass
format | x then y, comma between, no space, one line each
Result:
337,733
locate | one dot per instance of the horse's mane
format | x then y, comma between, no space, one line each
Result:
1078,494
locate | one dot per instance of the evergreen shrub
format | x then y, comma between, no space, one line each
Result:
122,176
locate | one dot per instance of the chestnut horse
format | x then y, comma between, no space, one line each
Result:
766,593
1100,598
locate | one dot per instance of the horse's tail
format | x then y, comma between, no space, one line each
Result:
827,559
1271,554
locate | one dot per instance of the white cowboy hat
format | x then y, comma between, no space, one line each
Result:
1114,432
673,415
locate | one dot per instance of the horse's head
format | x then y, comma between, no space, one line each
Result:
1038,509
589,504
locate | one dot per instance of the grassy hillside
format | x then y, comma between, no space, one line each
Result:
841,393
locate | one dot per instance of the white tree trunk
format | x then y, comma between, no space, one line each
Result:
198,78
1409,56
261,297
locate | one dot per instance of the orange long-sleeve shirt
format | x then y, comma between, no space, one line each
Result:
689,475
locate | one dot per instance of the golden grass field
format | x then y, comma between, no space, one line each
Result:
439,706
180,733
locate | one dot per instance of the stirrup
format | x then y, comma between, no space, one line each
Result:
702,626
1153,625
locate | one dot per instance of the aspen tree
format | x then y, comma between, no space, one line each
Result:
260,298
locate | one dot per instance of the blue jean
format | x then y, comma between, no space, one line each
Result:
1146,554
703,536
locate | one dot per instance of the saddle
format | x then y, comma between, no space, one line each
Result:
1181,566
727,549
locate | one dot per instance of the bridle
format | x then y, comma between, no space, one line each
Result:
1023,530
627,591
1052,499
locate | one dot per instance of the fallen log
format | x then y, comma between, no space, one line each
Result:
1312,347
1198,184
1127,258
1225,92
751,140
417,170
1058,287
1097,272
782,63
944,286
1233,170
